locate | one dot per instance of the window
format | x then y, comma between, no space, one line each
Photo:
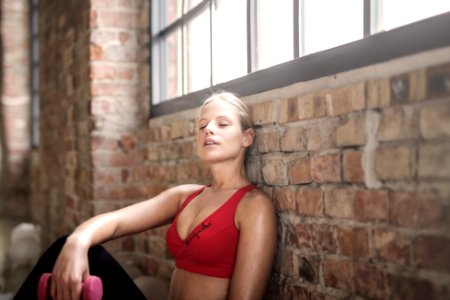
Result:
395,13
34,71
256,45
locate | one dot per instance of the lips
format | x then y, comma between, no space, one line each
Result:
210,142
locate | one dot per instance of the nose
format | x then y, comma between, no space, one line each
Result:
208,129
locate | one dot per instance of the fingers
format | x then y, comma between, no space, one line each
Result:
65,287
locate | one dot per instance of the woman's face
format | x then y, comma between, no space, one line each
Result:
220,136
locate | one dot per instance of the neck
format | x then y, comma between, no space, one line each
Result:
227,177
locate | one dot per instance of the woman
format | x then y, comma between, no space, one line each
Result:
222,235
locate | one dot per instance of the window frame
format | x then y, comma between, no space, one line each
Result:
420,36
34,76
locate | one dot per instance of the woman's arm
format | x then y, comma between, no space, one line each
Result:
71,267
257,242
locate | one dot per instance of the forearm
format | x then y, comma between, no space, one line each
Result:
94,231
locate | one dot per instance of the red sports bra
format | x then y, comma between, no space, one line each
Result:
210,248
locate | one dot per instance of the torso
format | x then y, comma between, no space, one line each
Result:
188,284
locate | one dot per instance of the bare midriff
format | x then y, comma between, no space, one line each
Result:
185,285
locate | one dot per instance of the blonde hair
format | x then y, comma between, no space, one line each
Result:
242,109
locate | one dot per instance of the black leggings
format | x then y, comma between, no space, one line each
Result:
117,284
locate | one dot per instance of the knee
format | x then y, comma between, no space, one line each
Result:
61,240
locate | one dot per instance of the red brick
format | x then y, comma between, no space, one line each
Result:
127,244
113,246
352,132
95,53
434,161
127,73
182,128
354,242
370,282
392,246
411,288
339,203
299,292
352,166
301,235
119,159
398,123
371,205
148,265
128,142
394,163
285,262
113,89
116,19
106,176
120,53
432,252
103,3
313,137
415,210
125,3
102,72
165,270
326,168
284,198
345,99
311,106
157,247
293,139
125,176
291,110
310,202
435,120
378,93
274,171
300,171
338,274
263,113
267,140
316,236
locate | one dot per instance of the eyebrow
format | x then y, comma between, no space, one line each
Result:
218,117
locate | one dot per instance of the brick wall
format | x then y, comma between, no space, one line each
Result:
63,158
357,166
356,163
14,109
94,110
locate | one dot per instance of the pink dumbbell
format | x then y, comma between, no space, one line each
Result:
92,288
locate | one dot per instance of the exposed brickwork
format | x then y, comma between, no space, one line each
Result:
358,171
14,109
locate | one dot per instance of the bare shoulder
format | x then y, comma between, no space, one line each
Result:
187,188
255,204
183,191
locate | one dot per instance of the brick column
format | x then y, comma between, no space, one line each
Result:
15,108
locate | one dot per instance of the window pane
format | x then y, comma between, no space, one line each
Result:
173,10
229,40
274,32
401,12
190,4
198,54
329,23
174,65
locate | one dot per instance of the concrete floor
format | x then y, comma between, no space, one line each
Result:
11,280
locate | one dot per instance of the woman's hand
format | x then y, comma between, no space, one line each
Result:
70,269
